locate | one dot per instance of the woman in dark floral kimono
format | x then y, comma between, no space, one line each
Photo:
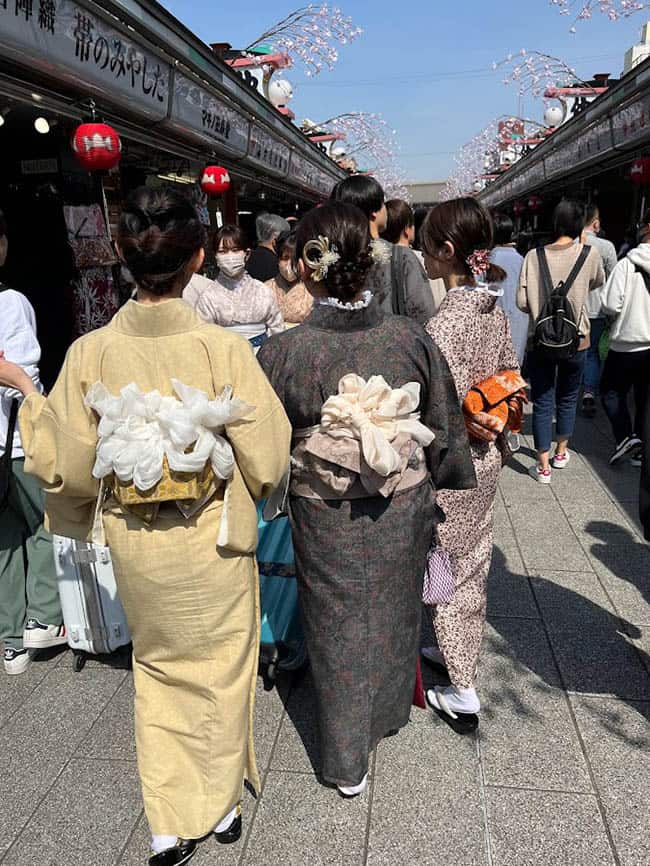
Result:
375,419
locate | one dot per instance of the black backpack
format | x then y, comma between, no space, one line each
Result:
556,336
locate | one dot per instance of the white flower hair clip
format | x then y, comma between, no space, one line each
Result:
380,251
319,256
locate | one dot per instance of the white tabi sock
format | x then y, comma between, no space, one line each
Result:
162,843
462,700
223,825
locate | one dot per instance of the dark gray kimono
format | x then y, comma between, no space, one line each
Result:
407,270
360,562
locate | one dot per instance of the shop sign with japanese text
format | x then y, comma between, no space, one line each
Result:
303,172
632,123
64,40
205,116
268,151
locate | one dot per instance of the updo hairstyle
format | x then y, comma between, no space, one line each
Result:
346,228
468,226
158,235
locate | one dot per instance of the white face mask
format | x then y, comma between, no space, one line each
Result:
288,272
232,264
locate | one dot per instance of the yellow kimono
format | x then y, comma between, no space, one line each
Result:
189,587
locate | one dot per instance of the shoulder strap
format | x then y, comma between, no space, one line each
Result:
397,283
644,275
575,270
544,272
11,429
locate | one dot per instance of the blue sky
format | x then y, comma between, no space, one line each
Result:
426,66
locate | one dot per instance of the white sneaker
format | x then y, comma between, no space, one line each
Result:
355,790
16,661
539,474
39,636
561,461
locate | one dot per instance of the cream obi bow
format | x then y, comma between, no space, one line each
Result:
137,431
376,415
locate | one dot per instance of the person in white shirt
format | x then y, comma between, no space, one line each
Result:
597,320
30,611
626,298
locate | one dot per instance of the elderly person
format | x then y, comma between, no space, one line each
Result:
263,261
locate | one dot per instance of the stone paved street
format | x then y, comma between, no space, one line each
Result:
559,776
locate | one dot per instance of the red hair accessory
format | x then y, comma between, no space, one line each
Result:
479,262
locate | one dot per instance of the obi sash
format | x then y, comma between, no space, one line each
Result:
155,450
255,333
370,442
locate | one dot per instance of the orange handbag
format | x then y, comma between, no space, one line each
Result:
495,397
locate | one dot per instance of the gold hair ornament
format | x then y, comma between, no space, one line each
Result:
319,256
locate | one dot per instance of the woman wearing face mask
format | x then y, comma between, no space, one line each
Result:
235,300
293,298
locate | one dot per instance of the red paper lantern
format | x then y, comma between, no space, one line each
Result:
518,208
534,203
640,171
96,146
215,180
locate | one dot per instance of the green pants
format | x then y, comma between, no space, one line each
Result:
28,585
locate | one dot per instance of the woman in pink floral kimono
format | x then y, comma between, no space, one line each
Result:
473,335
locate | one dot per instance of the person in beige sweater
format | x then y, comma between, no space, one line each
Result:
182,540
555,385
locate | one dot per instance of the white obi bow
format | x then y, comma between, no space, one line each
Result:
137,430
375,414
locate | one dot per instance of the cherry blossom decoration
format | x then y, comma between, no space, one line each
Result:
533,72
371,142
310,35
613,9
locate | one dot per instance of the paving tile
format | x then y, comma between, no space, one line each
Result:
62,710
623,565
523,712
269,710
16,691
537,828
574,600
85,818
419,819
509,592
554,546
298,747
617,739
112,736
301,822
427,742
600,663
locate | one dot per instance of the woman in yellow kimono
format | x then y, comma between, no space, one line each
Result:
176,420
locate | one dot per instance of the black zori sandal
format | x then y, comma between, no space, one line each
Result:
460,723
181,853
232,833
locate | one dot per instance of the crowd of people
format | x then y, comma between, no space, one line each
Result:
367,375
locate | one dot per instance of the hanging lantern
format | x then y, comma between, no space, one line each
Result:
215,180
96,146
640,171
518,208
280,92
534,203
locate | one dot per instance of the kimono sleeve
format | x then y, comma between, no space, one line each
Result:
508,359
419,300
261,443
59,435
449,456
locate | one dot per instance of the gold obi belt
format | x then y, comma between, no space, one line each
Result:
370,442
189,492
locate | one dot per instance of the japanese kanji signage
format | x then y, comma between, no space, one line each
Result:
303,172
268,151
632,122
212,120
64,37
